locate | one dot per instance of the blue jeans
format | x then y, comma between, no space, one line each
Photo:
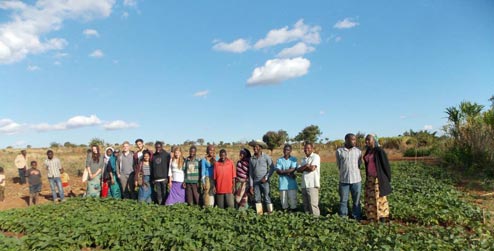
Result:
56,182
354,189
262,190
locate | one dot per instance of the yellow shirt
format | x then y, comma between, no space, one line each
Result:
64,177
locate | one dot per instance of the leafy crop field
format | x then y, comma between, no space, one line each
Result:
428,214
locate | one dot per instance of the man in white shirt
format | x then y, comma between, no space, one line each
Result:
311,169
21,164
348,160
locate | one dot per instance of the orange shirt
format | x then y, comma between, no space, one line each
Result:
224,173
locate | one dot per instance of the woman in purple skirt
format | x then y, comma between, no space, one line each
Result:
176,181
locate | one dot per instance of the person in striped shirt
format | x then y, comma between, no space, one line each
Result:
192,177
349,159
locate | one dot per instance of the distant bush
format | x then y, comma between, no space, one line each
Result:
417,152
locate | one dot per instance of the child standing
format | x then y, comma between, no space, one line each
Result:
34,179
65,183
2,184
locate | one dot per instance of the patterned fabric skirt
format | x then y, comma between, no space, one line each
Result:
115,191
241,194
94,187
177,194
375,207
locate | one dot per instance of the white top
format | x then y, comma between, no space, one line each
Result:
53,166
20,161
311,179
176,172
2,180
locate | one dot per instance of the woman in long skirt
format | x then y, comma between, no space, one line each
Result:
242,180
378,178
94,166
176,173
143,177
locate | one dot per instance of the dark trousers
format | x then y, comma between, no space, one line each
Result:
191,194
128,186
160,190
22,175
221,198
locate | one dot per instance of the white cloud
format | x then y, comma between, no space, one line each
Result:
299,49
201,93
428,127
237,46
9,127
322,112
61,55
346,23
19,144
125,15
300,31
337,39
97,54
33,68
90,33
72,123
27,30
119,124
277,70
130,3
57,63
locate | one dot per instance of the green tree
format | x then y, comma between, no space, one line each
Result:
310,133
200,141
275,139
97,141
54,145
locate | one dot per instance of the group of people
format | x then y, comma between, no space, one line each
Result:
167,178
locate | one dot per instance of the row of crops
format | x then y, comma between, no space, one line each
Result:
428,214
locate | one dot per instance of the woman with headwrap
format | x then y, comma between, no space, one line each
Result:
378,178
242,180
110,174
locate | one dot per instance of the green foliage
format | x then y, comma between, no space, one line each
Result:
428,213
96,141
472,131
310,133
275,139
417,152
68,144
200,141
55,145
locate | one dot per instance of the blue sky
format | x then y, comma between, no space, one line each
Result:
232,70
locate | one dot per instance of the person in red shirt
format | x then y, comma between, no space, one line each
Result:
224,176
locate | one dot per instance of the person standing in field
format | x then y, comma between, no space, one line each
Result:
53,165
286,167
21,164
192,177
242,180
125,170
260,170
67,189
34,179
94,165
348,160
177,177
224,178
160,165
110,174
207,174
143,177
311,169
378,180
2,184
140,151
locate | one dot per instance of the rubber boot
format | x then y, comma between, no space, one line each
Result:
270,208
259,208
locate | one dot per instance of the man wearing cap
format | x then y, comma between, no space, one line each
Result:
260,170
21,164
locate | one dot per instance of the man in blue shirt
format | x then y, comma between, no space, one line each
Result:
285,167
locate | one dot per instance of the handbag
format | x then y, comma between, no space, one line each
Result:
85,175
